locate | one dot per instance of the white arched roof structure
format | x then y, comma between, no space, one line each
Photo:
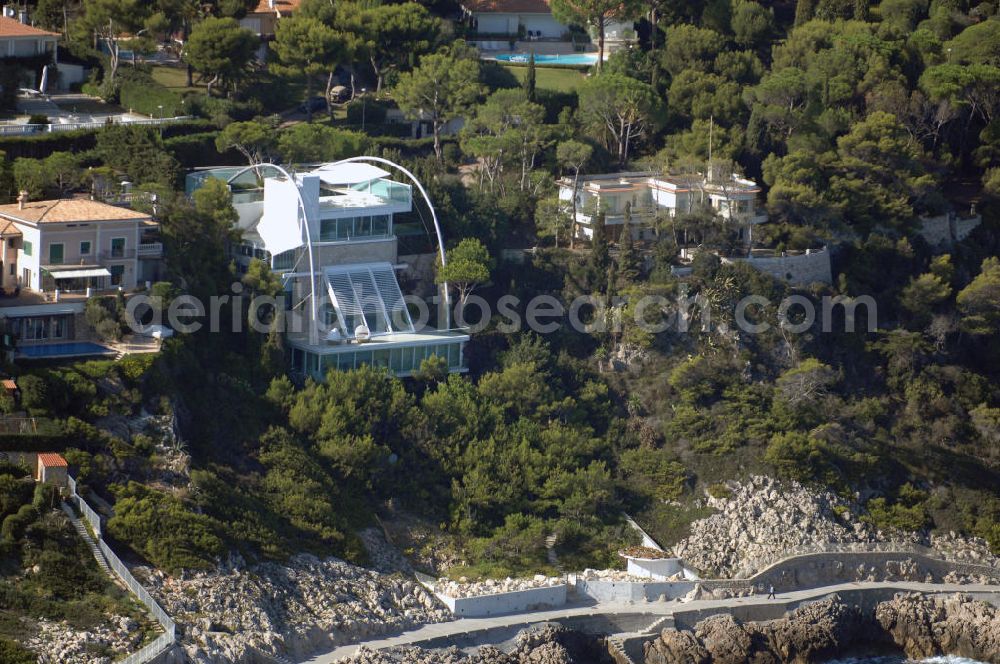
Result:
304,227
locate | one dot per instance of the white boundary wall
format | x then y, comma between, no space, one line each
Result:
511,602
633,591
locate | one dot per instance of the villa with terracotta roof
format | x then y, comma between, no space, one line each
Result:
263,19
20,40
53,250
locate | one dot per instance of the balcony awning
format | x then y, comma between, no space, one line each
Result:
79,273
350,173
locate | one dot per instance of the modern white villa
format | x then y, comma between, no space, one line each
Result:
329,232
651,194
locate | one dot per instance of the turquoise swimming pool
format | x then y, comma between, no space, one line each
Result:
571,59
71,349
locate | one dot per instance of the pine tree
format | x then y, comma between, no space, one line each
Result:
529,79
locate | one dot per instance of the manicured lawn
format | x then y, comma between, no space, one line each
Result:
174,78
559,79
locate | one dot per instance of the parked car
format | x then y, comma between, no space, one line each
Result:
339,94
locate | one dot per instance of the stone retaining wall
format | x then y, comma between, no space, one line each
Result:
943,231
823,569
803,269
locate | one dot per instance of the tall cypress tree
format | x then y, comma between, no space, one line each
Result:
628,260
529,79
599,257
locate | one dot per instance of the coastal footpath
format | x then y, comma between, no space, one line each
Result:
640,623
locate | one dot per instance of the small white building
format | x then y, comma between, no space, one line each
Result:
526,18
650,194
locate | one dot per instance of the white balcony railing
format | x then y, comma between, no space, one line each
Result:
150,249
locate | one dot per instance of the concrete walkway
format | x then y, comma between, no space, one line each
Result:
461,630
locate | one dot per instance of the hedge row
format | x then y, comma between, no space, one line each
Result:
39,146
199,150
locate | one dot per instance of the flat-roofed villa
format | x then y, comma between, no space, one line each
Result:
329,232
651,194
56,253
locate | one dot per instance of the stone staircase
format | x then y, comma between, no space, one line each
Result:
81,529
258,657
626,647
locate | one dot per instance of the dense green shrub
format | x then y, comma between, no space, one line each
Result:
163,529
373,112
12,652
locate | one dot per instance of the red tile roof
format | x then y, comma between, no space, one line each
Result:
68,210
508,6
52,460
10,27
285,7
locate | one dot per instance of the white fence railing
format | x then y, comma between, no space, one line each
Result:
24,129
154,648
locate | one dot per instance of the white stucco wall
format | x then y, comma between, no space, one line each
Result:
660,569
507,23
500,603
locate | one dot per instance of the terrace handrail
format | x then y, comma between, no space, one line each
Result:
164,641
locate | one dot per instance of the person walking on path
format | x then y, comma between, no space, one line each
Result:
770,593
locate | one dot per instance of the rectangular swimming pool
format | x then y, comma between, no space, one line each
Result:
70,349
569,59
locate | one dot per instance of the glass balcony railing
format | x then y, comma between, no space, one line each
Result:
396,192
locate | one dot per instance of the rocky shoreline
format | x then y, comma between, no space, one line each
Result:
298,608
915,625
308,604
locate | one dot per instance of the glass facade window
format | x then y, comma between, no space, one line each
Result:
355,228
85,248
42,328
400,360
284,260
117,247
